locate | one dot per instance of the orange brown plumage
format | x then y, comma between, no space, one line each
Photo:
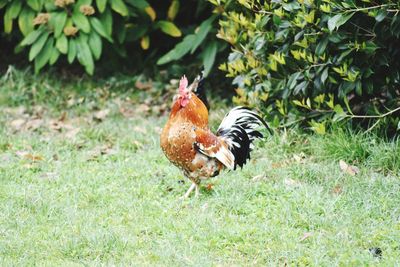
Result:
189,144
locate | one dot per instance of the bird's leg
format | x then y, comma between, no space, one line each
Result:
197,190
189,191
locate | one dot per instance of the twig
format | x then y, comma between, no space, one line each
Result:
373,116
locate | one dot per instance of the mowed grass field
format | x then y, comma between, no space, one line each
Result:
84,182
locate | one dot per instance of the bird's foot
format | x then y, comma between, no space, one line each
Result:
193,186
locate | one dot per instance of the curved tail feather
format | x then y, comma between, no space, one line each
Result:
238,129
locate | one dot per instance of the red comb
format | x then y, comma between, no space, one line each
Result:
183,84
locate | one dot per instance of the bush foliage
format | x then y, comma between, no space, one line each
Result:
314,60
79,30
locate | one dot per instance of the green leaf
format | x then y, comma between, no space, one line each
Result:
25,20
145,42
293,80
58,21
321,46
178,51
99,28
43,57
84,54
324,75
173,9
54,56
210,51
95,44
169,28
8,22
137,32
120,7
140,4
38,45
81,21
14,8
381,15
71,51
107,20
121,33
101,5
204,29
3,3
370,47
32,37
62,44
338,20
35,4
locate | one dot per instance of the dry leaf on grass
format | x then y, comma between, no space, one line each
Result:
337,190
28,155
260,177
34,124
17,124
101,114
306,236
127,112
101,151
71,134
299,158
291,182
143,85
143,108
349,169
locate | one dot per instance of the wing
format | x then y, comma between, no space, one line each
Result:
212,146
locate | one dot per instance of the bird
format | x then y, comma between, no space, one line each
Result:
189,144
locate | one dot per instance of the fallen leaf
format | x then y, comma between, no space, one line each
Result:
17,124
143,85
259,177
306,236
100,151
127,112
63,116
71,134
142,108
299,158
33,124
55,124
337,189
291,182
101,114
349,169
28,155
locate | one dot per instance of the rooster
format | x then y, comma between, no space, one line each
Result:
188,142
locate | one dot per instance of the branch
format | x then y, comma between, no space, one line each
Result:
373,116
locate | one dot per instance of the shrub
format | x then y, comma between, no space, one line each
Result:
311,61
79,29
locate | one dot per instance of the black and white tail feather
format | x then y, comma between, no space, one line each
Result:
238,129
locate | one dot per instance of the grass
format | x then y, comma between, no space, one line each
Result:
106,195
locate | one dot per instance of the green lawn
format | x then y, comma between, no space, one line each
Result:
93,188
